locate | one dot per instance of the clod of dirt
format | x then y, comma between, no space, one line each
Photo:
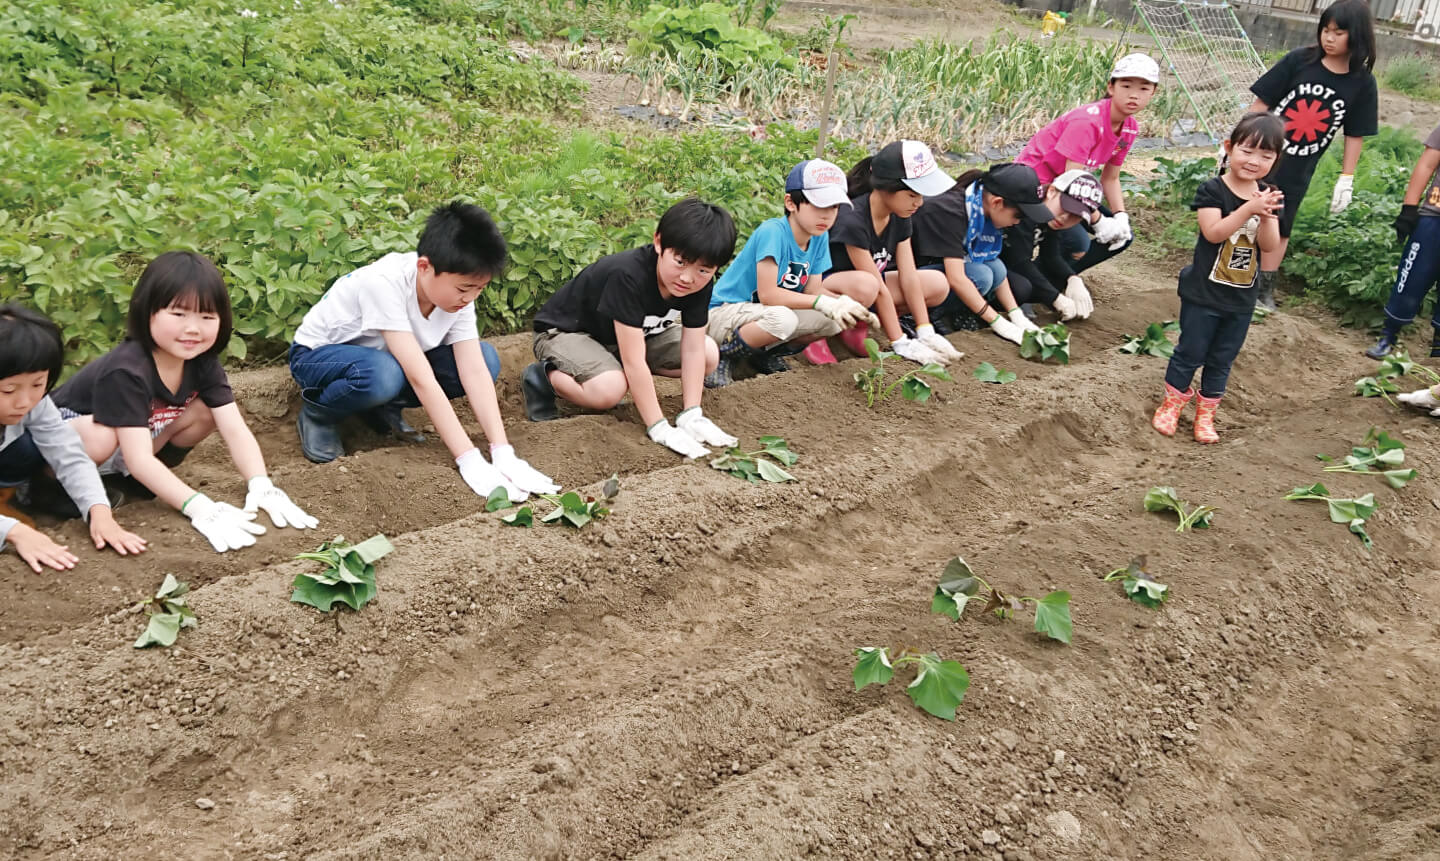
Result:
204,804
1065,825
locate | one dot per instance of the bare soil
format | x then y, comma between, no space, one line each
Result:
674,681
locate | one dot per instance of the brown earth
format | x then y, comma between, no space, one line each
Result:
674,681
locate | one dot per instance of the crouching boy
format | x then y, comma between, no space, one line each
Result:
633,313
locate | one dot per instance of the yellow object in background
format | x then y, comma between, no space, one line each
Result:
1051,23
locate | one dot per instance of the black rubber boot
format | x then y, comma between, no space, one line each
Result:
1435,345
319,433
1265,290
389,420
43,494
538,394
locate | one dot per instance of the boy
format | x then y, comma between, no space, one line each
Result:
401,332
1097,135
603,333
770,297
1418,229
36,436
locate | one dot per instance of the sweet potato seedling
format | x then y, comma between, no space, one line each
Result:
763,464
1377,387
988,373
1392,367
871,381
959,586
1139,584
1165,499
939,685
570,507
1376,452
348,577
1048,342
168,613
1154,342
1351,512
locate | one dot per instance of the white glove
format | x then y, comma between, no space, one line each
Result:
929,337
1108,229
1017,316
916,351
1122,220
483,477
264,496
676,440
1425,399
519,473
1065,307
223,525
843,310
1007,330
1344,190
705,432
1078,293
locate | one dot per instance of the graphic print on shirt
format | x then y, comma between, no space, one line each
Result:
1095,160
162,415
1312,114
882,259
1238,260
795,275
653,325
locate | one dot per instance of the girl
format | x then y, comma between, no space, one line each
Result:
1418,229
957,236
36,437
1318,91
1239,220
871,260
141,407
1033,254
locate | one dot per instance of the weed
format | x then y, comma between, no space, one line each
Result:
348,577
1351,512
959,586
761,465
1165,499
871,381
168,613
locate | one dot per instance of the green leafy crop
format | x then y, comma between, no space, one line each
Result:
708,30
1372,457
1351,512
1048,342
1140,585
1166,499
570,507
939,685
988,373
348,577
761,465
1154,342
168,613
871,381
959,586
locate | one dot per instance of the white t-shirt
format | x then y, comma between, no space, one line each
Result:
361,306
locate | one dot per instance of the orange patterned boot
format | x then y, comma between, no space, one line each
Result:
1205,419
1169,413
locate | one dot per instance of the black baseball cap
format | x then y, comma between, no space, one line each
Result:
1019,185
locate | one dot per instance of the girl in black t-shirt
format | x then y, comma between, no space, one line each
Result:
1239,220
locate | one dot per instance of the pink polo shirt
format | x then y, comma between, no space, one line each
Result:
1082,136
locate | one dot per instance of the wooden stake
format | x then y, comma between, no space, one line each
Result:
831,65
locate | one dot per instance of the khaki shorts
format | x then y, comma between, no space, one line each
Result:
578,355
777,321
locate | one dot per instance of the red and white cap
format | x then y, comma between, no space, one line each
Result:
1141,66
823,183
912,163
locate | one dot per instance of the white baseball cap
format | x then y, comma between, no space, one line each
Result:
1080,192
823,183
1141,66
912,163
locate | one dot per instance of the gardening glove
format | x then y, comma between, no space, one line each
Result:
264,496
929,337
1112,229
1017,316
1344,190
223,525
915,351
519,473
1125,235
705,432
1007,330
1078,293
676,439
1425,399
483,477
1406,222
843,310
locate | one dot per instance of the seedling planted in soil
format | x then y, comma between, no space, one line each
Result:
349,575
939,685
1153,342
1049,342
762,465
168,613
1352,512
988,373
1139,584
959,586
1165,499
871,381
570,507
1377,450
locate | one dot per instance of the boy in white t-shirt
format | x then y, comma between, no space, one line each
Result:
401,332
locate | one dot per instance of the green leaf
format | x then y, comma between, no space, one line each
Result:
523,516
936,371
1398,478
947,605
939,686
1357,526
1313,491
872,349
1052,616
162,630
171,588
1162,499
323,597
958,579
873,668
988,373
498,499
771,472
915,389
1142,590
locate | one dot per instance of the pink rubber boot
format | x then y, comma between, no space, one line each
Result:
855,339
818,353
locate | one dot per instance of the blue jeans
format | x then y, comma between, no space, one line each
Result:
985,275
345,379
20,460
1076,240
1211,338
1419,271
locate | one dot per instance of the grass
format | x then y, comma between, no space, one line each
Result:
1413,76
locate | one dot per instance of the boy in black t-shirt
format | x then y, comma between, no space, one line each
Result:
606,331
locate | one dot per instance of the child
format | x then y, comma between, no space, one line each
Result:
606,331
35,436
141,407
1097,136
885,190
958,234
1418,227
772,295
401,332
1317,91
1032,252
1239,219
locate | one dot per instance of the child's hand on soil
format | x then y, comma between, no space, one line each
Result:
520,473
676,440
705,432
105,531
483,477
223,525
37,549
265,496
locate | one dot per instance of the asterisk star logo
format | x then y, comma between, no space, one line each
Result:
1306,120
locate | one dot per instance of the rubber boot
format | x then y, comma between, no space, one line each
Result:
854,339
771,360
319,432
1205,419
1168,416
1265,290
172,455
9,508
1435,344
818,353
1382,347
389,420
732,349
538,394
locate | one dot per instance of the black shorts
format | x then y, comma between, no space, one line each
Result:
1293,198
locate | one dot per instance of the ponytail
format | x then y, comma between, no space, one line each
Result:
860,180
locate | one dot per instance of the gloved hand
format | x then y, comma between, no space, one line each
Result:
1007,330
1112,228
1017,316
1425,399
842,309
929,337
676,439
1406,222
915,351
1344,190
223,525
1077,292
483,477
1123,234
705,432
519,473
264,496
1065,307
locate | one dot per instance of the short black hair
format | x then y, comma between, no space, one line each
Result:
1356,19
797,196
30,342
1262,130
696,230
184,279
462,238
860,180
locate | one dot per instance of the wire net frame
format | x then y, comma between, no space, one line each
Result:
1209,53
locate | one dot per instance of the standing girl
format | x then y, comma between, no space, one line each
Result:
1239,220
871,260
1318,91
141,407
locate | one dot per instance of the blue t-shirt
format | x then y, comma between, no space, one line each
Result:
773,239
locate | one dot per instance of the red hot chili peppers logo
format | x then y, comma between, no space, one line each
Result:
1311,119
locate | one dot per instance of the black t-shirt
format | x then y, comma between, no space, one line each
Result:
122,389
1033,250
622,287
1315,104
1223,275
854,226
938,228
